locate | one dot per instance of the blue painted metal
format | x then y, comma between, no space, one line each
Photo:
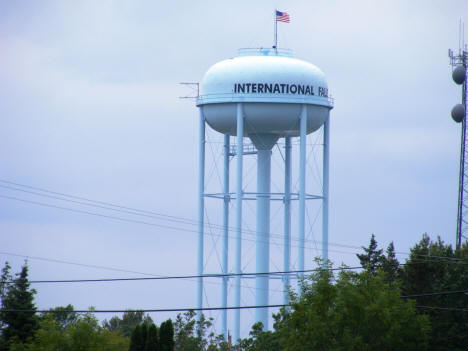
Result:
201,210
225,233
325,170
287,217
263,235
302,187
263,143
238,239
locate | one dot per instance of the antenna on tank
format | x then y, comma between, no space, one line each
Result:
195,89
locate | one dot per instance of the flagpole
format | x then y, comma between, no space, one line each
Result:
276,32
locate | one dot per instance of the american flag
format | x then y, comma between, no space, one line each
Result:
282,16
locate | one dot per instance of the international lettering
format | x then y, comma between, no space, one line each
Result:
279,88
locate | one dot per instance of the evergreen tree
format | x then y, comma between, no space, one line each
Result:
166,336
137,343
371,260
434,266
5,281
390,265
18,326
144,336
152,342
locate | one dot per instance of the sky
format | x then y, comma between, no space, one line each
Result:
90,107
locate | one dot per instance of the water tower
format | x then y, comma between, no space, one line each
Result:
262,95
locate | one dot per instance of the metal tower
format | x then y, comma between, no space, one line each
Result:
459,63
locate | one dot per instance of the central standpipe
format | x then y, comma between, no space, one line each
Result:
302,188
238,238
263,143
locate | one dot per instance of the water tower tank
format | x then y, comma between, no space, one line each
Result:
272,85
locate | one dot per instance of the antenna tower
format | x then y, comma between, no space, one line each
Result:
459,63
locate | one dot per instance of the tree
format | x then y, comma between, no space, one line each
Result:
144,336
166,336
260,340
18,314
82,334
62,315
360,311
5,281
371,260
390,265
137,342
434,267
152,342
128,322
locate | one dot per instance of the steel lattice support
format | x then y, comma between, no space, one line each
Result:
457,61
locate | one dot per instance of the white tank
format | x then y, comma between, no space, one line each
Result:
272,85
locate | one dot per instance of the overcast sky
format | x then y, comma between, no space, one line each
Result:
89,106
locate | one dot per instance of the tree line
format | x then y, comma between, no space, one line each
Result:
416,305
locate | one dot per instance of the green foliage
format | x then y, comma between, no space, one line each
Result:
144,336
17,295
127,323
82,334
360,311
63,316
4,284
390,265
435,267
371,259
166,336
191,334
152,339
260,340
137,342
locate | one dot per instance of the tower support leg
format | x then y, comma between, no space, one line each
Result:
326,159
287,218
238,238
201,211
302,187
225,234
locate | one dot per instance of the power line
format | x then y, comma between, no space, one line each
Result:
147,310
128,219
195,231
131,210
192,309
444,308
102,267
436,293
151,214
121,209
185,276
75,263
221,275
